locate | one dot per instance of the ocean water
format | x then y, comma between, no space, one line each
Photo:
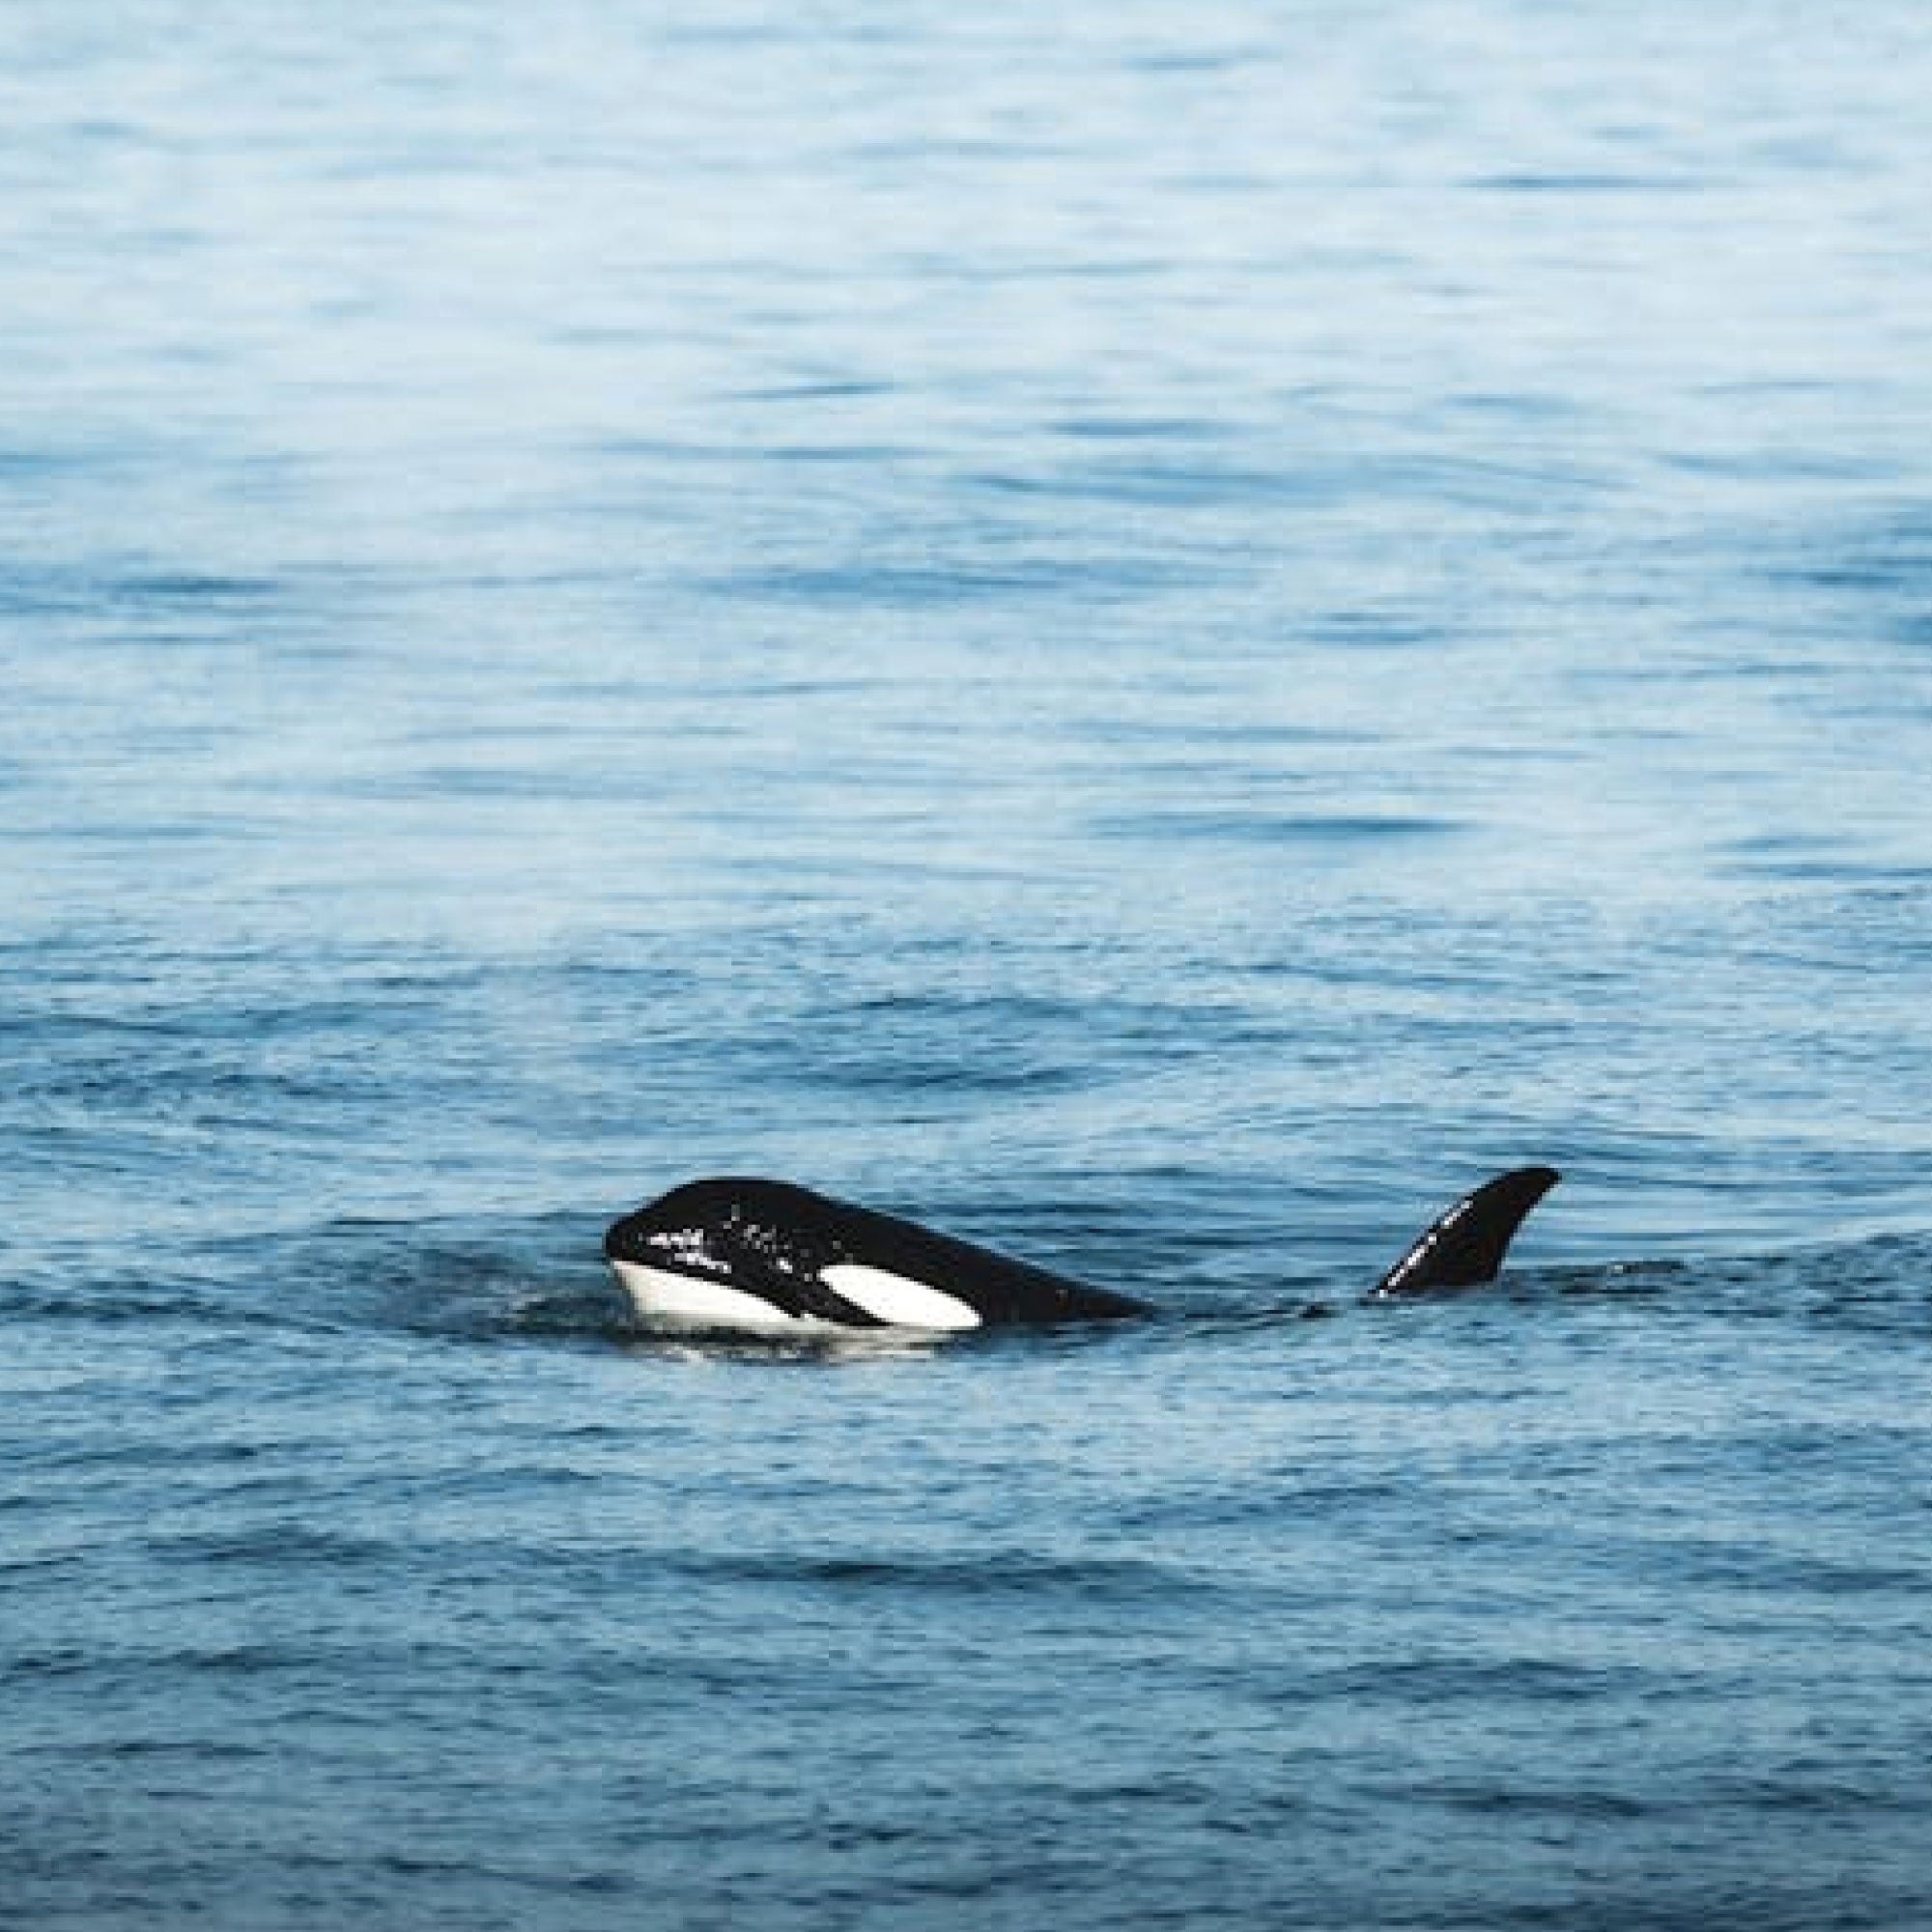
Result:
1158,636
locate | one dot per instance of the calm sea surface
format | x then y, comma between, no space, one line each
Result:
1156,635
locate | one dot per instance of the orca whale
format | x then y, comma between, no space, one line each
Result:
772,1257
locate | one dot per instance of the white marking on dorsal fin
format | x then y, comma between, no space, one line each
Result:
898,1299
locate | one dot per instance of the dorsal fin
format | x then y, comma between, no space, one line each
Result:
1467,1245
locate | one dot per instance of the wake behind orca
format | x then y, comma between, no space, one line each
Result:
772,1257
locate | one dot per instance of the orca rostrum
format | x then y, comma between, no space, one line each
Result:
769,1257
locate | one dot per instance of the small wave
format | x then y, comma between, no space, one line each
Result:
984,1572
276,1546
933,585
1313,829
1584,183
1502,1800
198,1751
1883,1284
1482,1681
194,586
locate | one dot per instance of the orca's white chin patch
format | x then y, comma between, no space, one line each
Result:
667,1300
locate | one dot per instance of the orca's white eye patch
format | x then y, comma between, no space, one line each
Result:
892,1297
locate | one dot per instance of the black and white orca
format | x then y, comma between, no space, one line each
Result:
771,1258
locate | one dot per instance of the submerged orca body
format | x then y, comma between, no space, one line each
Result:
775,1258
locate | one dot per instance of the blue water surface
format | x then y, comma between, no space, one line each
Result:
1158,636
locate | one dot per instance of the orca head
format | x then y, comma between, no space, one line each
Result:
767,1256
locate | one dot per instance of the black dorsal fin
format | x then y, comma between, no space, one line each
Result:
1467,1245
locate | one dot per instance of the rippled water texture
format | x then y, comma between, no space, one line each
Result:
1155,636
